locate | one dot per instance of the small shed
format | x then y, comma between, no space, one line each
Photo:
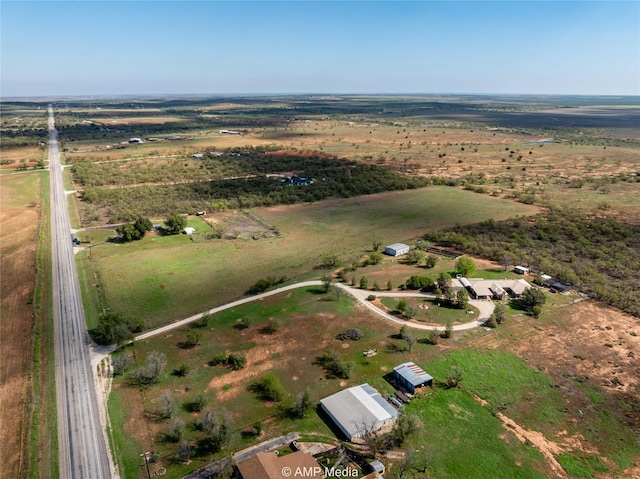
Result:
377,466
189,230
396,249
411,376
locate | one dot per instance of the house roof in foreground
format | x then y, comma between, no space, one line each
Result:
266,465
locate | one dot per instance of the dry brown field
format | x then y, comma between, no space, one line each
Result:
501,160
587,348
31,154
19,222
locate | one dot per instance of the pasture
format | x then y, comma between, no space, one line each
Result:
28,398
307,324
535,148
430,311
508,416
163,278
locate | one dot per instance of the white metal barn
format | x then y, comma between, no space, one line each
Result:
358,408
396,249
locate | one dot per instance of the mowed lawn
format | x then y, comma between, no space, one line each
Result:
458,434
162,279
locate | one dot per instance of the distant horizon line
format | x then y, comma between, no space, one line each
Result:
243,95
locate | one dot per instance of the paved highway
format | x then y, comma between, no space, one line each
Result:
83,450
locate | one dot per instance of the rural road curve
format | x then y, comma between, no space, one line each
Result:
485,308
81,440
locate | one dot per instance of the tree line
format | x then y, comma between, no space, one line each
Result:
334,177
599,255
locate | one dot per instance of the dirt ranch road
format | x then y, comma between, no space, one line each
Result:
485,308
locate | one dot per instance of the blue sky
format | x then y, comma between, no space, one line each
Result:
155,47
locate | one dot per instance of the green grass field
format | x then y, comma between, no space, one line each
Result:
437,312
161,279
459,436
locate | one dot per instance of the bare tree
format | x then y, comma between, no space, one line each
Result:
151,371
184,451
121,363
507,259
167,404
337,290
413,465
175,429
301,404
327,282
156,363
366,430
408,337
404,428
217,428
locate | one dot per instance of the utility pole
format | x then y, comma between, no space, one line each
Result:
146,461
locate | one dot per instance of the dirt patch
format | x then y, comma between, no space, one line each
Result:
19,239
598,343
235,383
586,348
548,449
482,263
235,224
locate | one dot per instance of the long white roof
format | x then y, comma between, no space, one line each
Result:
359,405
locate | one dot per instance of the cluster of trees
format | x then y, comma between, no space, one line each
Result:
333,364
174,223
90,174
265,284
11,138
216,424
599,255
235,361
335,177
532,300
418,256
297,407
424,283
114,328
217,428
268,388
404,429
465,266
151,371
134,231
497,317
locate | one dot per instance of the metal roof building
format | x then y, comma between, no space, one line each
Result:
411,376
396,249
357,408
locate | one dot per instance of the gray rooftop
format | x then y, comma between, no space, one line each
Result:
413,373
358,405
398,246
